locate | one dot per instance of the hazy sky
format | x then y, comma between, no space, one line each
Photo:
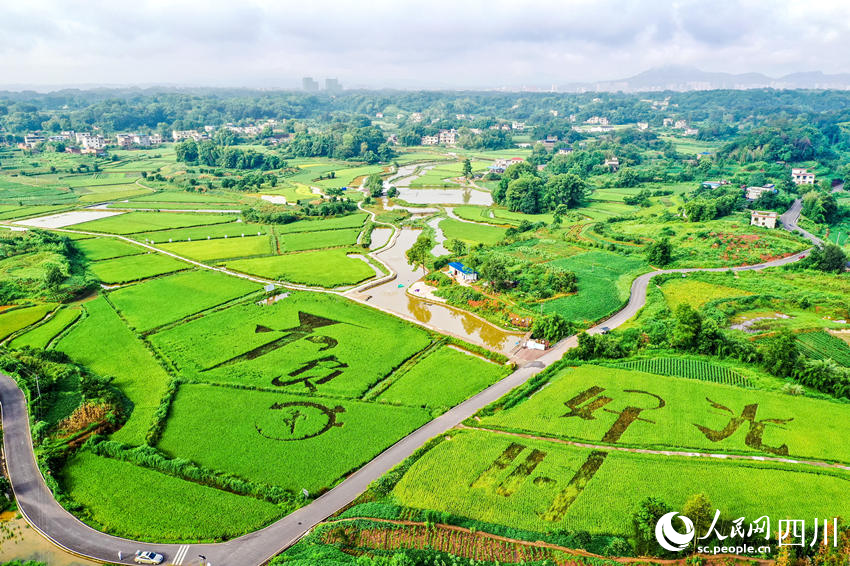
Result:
406,44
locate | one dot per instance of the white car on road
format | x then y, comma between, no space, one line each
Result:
148,557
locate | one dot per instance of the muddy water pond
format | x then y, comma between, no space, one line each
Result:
393,296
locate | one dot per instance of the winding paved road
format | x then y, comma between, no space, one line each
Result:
36,502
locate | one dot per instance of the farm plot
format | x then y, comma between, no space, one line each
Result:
166,299
104,344
134,268
96,249
696,293
822,345
688,368
304,343
154,205
126,500
101,193
41,335
443,379
348,221
603,283
678,415
327,268
189,198
221,248
13,320
544,486
299,241
133,222
496,215
212,231
265,436
24,211
471,233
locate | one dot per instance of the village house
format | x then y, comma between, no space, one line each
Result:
379,114
416,117
392,139
668,122
765,219
430,140
565,151
518,126
124,140
643,125
460,272
691,131
612,163
600,120
754,193
92,142
155,139
448,137
801,176
680,124
32,140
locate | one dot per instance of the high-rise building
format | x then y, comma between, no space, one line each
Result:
332,85
310,85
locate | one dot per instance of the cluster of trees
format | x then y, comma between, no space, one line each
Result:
212,154
532,281
366,143
523,189
247,182
59,275
271,214
829,258
780,142
703,332
707,204
822,207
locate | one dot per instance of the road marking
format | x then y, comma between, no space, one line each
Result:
181,555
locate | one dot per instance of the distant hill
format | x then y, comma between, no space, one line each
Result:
681,78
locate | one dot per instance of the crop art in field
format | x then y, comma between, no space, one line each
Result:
591,404
314,372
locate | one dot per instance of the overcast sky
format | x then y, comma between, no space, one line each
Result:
406,44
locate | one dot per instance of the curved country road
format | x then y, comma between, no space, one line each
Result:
36,502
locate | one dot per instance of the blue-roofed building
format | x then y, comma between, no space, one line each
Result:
462,273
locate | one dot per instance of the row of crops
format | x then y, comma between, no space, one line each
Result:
688,368
822,345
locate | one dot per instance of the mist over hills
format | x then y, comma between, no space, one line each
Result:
682,78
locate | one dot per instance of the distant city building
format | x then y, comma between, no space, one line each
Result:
333,85
765,219
802,176
309,85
